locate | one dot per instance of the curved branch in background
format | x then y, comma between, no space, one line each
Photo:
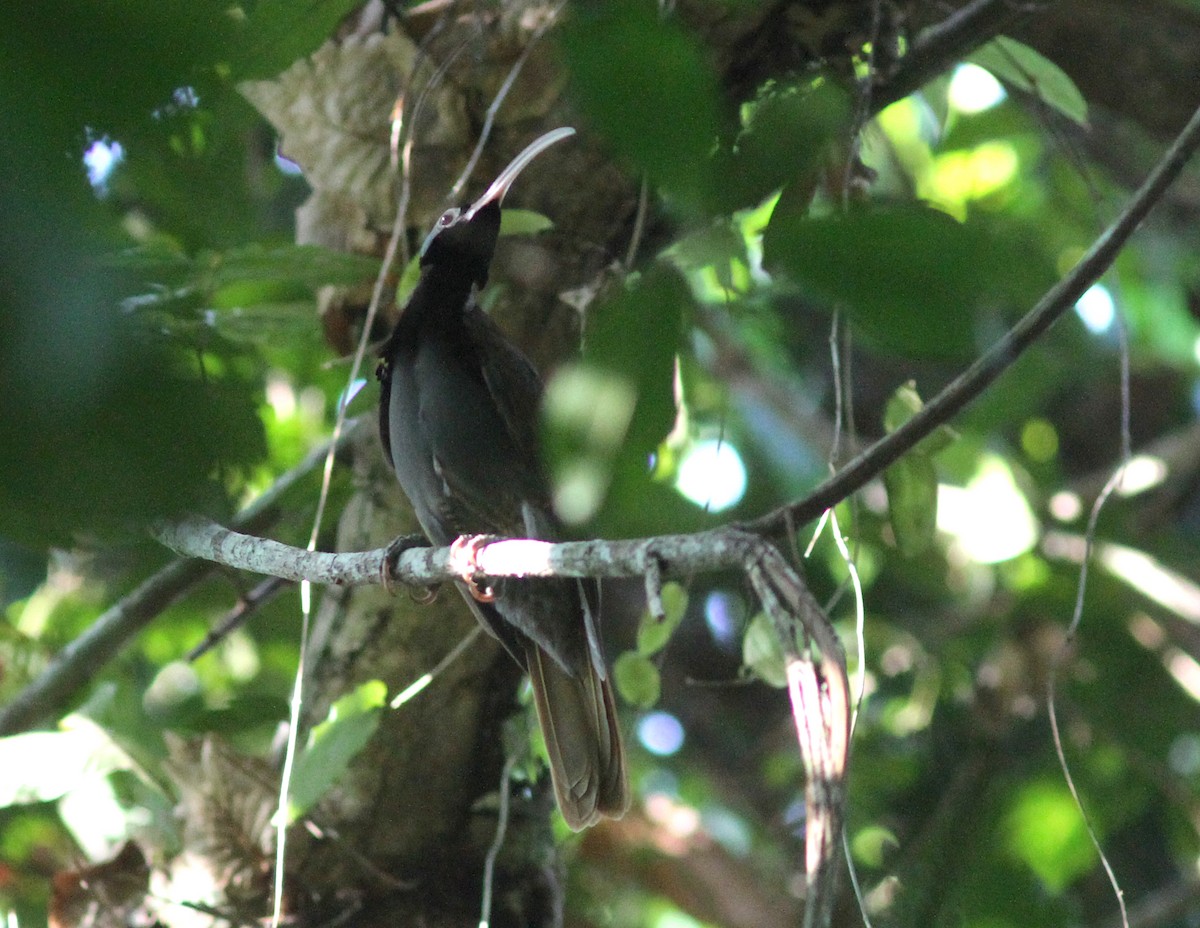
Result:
75,665
943,45
1000,357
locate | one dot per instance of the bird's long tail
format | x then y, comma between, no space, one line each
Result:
579,722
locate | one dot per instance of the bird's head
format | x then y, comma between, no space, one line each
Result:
464,238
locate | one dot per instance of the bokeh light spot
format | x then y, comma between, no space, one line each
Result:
973,89
1096,309
660,733
1039,440
989,519
724,614
712,475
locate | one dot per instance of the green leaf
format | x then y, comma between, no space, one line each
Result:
675,601
40,766
912,491
278,32
788,133
762,654
905,403
523,222
648,88
870,843
1017,64
598,445
910,277
912,486
334,743
1045,830
638,680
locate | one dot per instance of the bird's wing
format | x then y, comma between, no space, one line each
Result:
513,383
383,373
471,401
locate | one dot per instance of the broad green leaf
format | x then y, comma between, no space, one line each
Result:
40,766
910,277
598,446
278,32
523,222
637,679
762,654
788,133
334,743
1019,65
647,87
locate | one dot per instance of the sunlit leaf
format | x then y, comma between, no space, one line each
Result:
523,222
654,633
637,679
43,765
912,492
334,743
1045,829
1019,65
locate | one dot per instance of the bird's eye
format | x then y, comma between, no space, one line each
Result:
449,217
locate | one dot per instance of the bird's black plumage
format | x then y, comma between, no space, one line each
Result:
458,421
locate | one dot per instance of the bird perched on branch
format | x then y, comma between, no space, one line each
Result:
458,420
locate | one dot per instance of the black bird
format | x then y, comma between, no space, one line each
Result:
458,420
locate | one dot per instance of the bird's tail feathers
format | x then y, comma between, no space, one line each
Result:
579,722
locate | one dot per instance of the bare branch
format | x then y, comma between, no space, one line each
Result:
673,555
942,45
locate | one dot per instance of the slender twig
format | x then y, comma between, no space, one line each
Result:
489,863
941,45
1001,356
246,606
639,225
489,117
1077,619
74,667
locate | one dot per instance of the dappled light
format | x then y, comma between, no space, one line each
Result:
989,519
752,396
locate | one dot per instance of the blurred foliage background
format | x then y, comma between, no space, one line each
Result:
161,352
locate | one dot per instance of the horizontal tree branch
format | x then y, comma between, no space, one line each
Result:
672,555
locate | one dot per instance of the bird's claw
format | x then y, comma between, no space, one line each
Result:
465,550
423,595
